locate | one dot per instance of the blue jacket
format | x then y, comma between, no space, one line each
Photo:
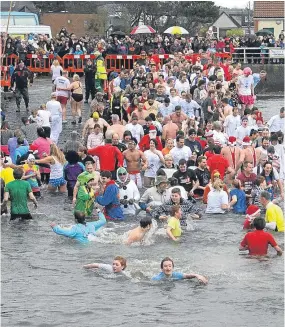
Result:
111,200
80,232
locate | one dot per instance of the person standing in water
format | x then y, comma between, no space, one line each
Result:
167,272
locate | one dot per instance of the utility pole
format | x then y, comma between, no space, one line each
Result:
6,34
248,19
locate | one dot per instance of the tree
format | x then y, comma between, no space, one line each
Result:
235,32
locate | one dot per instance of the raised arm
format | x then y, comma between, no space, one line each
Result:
91,266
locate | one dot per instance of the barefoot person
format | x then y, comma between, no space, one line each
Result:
137,234
134,158
167,272
118,266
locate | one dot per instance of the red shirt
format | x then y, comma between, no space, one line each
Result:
105,153
257,242
202,142
218,162
247,181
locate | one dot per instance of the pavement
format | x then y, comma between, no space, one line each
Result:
39,93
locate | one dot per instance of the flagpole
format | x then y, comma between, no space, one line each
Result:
5,39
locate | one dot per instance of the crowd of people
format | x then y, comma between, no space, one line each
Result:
68,43
177,141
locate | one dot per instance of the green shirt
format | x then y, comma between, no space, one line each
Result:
19,192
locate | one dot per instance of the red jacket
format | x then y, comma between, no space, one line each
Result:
107,155
218,162
144,143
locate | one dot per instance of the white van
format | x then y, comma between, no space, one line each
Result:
22,30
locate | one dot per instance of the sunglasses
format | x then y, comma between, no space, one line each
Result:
122,174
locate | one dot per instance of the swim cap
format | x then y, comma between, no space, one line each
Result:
95,115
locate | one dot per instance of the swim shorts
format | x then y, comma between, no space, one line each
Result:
62,99
57,182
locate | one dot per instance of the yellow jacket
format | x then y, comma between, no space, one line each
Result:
101,70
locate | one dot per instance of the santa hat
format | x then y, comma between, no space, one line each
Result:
252,210
152,128
33,147
232,140
209,133
246,141
217,142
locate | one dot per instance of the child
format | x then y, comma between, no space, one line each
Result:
259,186
252,212
118,266
34,118
137,234
32,175
173,229
72,170
167,272
256,242
95,138
237,198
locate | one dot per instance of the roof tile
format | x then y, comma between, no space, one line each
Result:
268,9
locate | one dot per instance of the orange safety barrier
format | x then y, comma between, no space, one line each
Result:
75,63
39,63
5,78
10,60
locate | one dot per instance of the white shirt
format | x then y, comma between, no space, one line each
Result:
179,86
245,84
175,100
55,71
45,116
62,82
180,153
219,136
54,107
276,124
231,124
242,132
215,201
154,163
136,130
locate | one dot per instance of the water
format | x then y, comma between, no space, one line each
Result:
44,284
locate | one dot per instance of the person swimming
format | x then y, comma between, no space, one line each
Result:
137,234
81,230
167,272
118,266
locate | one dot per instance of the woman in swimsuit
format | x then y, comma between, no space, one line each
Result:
76,98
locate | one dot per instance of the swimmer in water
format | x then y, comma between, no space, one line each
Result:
137,234
173,229
167,272
118,266
81,230
256,242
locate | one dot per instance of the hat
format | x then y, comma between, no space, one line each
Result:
247,71
85,177
161,179
217,142
244,118
95,115
152,128
246,141
252,210
209,133
8,161
232,140
31,157
33,147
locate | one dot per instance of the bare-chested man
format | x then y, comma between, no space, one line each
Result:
134,158
248,153
232,153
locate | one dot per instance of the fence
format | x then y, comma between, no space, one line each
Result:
258,55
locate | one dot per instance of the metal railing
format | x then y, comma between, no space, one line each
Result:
259,55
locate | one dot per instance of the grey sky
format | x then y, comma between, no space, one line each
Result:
233,4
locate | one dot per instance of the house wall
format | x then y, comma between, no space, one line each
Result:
260,24
74,23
